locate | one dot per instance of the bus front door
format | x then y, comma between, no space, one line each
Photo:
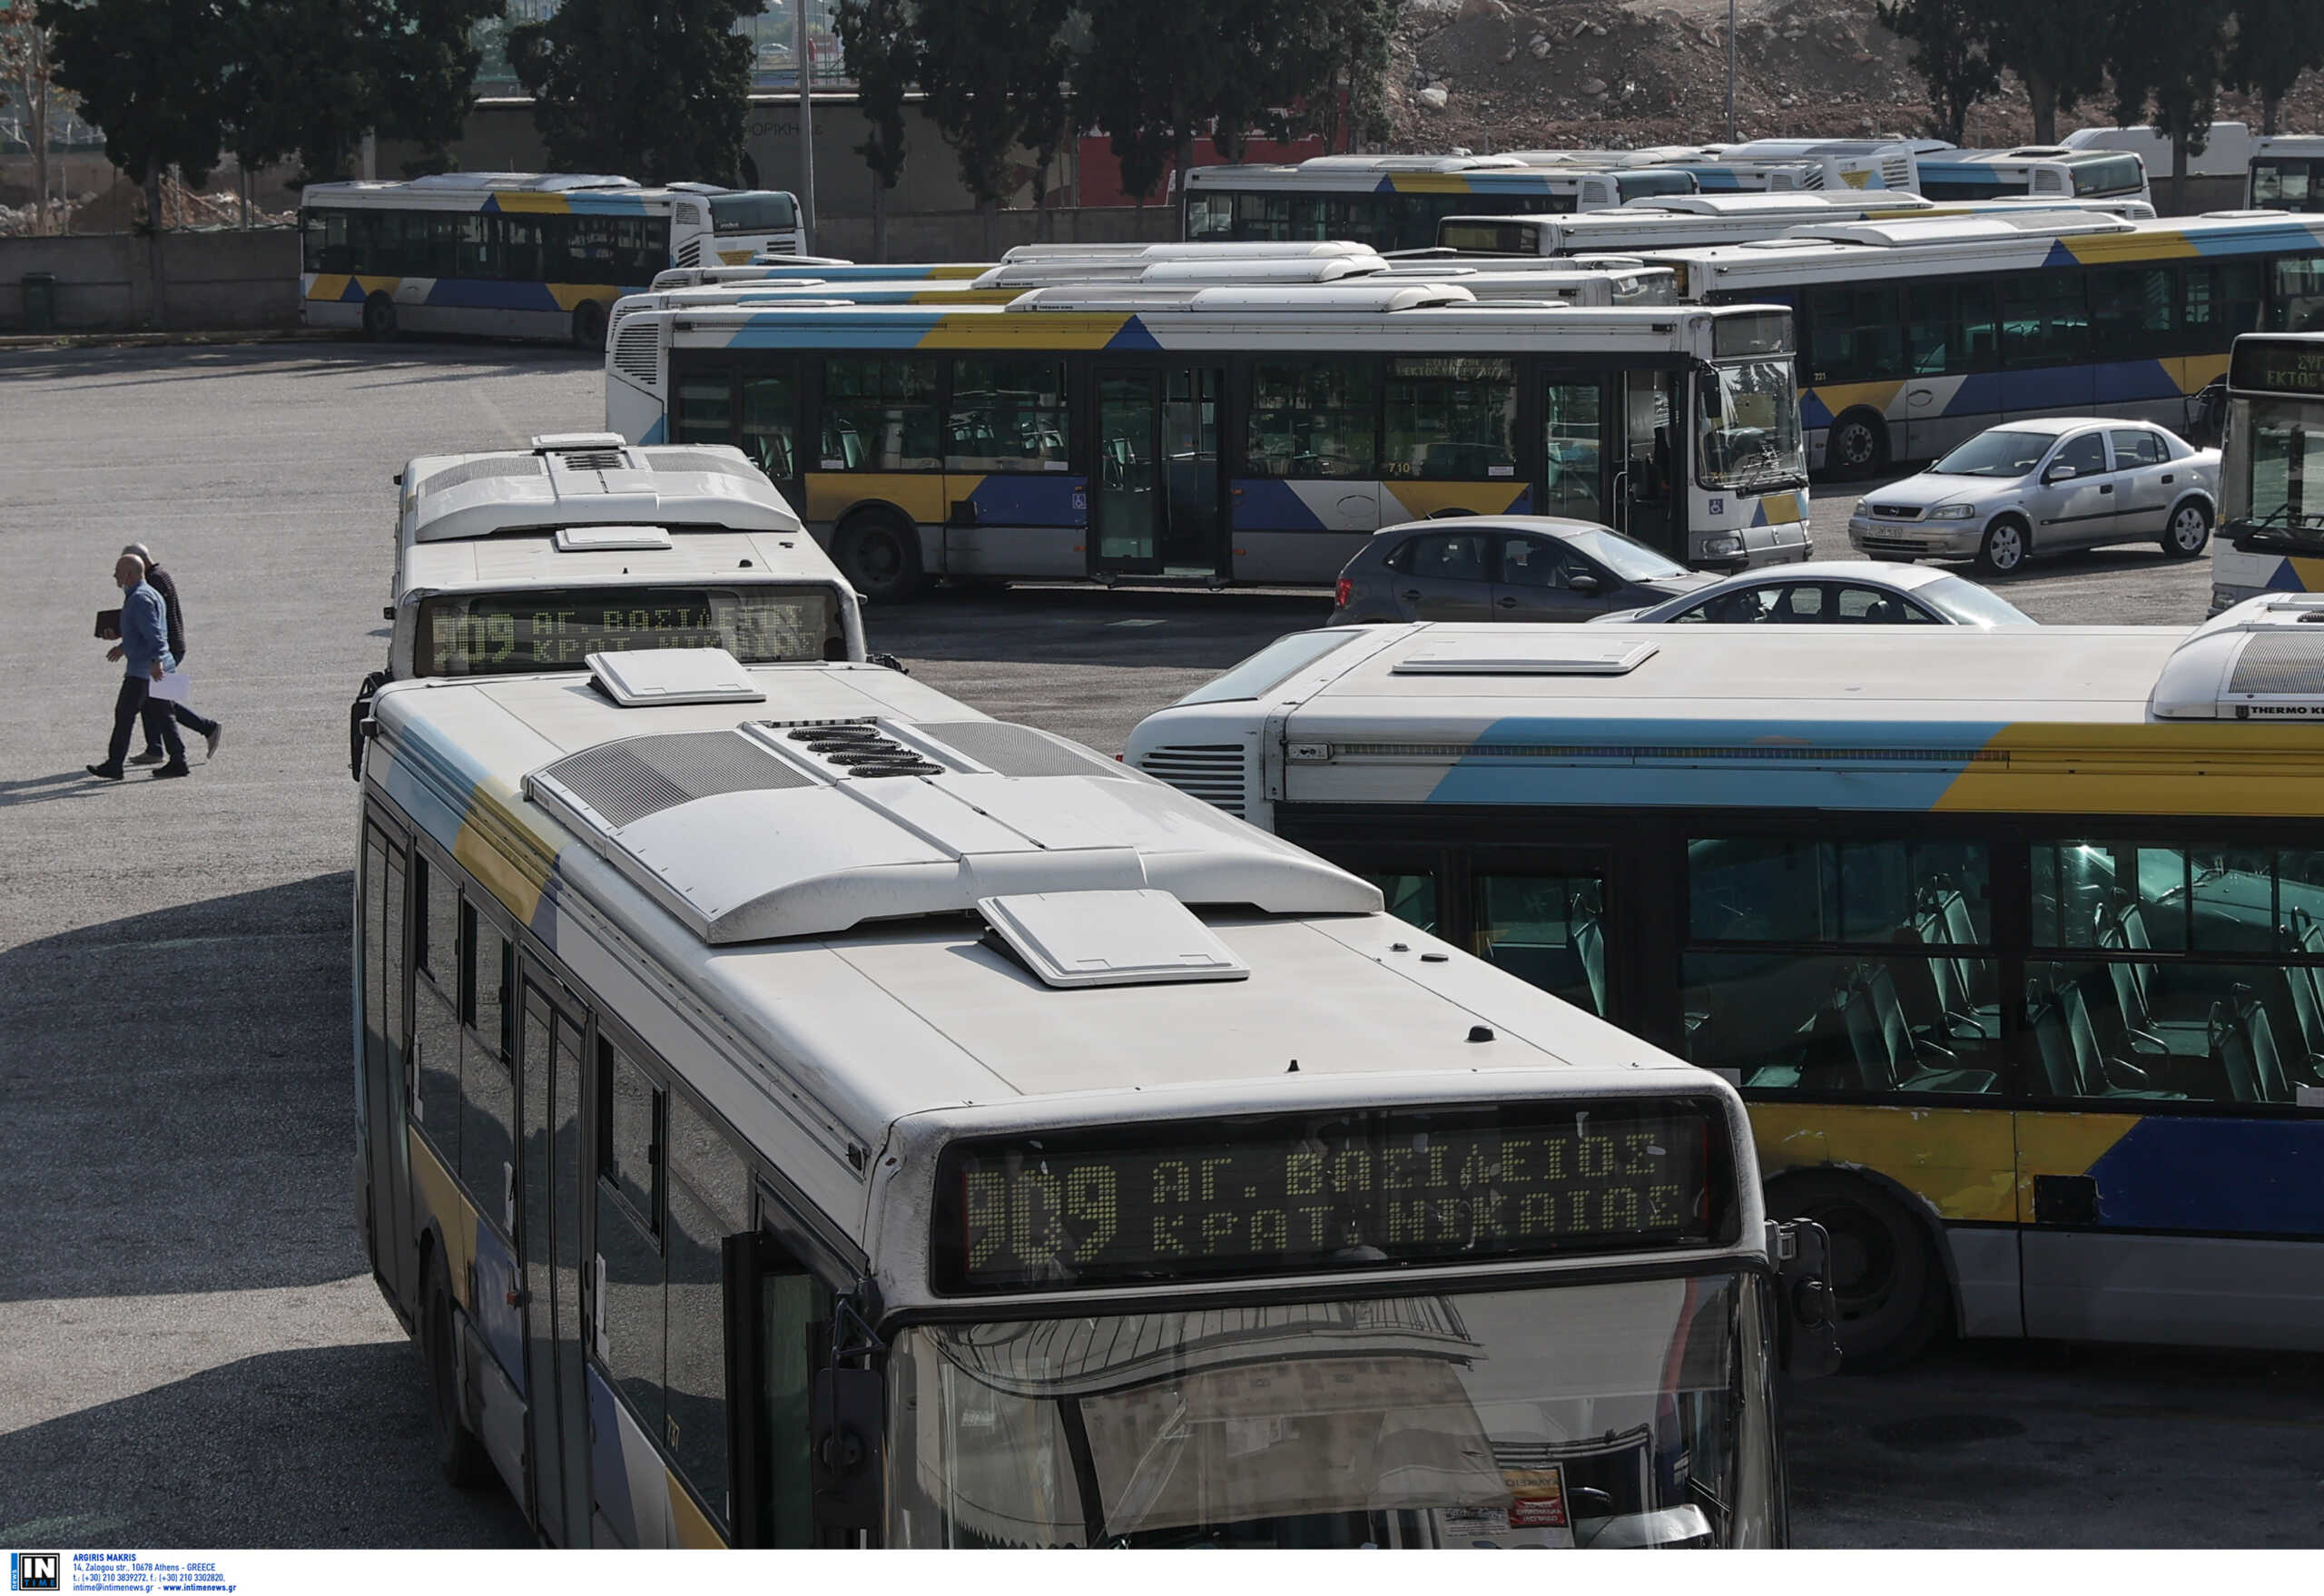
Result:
1650,475
1155,488
1580,447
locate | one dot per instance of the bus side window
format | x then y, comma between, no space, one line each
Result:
709,1199
435,1020
488,1144
631,1114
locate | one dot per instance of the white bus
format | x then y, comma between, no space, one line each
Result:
1393,201
2014,941
2043,171
2287,175
516,254
2270,537
795,1109
1228,434
1915,335
1781,166
1692,222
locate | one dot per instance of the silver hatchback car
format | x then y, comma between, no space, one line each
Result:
2043,486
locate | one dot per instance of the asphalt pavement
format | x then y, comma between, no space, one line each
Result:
191,1349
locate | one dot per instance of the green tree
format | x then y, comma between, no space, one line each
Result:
1353,40
2057,48
1953,54
659,90
2274,42
426,55
883,53
28,76
150,73
991,68
298,80
2166,57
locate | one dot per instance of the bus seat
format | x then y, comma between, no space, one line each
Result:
2244,1044
2095,1069
1590,945
2045,1014
1888,1055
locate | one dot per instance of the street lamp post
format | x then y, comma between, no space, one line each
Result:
805,67
1731,71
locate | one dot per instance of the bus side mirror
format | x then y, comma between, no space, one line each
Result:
847,1416
1807,1335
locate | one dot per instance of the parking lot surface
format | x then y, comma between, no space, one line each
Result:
191,1349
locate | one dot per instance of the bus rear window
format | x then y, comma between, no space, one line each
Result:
1486,238
2119,174
764,212
557,628
1761,333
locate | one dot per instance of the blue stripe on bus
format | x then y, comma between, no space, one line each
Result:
1657,774
468,293
774,330
608,1472
1267,503
659,432
2254,1177
1133,336
1016,500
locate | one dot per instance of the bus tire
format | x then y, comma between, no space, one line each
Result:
2188,532
2008,544
379,319
459,1456
879,551
1888,1284
1856,446
589,327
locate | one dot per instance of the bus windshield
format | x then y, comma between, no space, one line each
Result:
2117,174
1751,426
1625,1415
2282,451
557,628
770,210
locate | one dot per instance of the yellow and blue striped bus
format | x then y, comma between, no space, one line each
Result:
2014,941
516,254
1231,434
1915,335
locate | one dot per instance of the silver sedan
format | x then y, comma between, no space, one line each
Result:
1850,593
2043,486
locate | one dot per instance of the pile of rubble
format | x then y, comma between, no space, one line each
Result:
121,209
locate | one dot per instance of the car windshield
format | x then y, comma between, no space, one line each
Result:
1626,558
1965,604
1623,1414
1999,453
1750,426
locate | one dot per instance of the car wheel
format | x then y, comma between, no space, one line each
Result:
2189,530
1857,445
460,1457
2007,542
880,553
379,319
589,327
1887,1286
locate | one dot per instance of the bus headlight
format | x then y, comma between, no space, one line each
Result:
1953,512
1715,548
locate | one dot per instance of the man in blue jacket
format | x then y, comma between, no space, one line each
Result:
144,653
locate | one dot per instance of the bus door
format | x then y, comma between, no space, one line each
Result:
385,1094
549,1173
1156,493
1652,474
1578,447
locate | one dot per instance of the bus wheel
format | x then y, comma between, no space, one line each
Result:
2189,530
589,327
1857,445
2006,547
879,554
458,1456
379,319
1886,1282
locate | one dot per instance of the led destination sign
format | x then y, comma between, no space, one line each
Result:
1347,1189
557,628
2277,365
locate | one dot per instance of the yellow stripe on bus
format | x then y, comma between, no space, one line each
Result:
2100,248
517,889
439,1195
540,204
1420,500
2220,767
1065,330
2062,1144
922,494
1963,1161
690,1528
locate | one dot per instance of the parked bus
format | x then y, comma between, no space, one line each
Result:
1916,335
1230,434
2287,175
1393,201
514,254
2271,537
1837,165
2040,170
1694,221
731,1140
2014,941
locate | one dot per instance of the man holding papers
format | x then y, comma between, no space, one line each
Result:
144,653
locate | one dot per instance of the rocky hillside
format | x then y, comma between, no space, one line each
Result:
1512,74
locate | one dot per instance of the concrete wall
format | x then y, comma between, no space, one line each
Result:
211,280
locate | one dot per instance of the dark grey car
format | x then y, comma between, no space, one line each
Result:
1504,568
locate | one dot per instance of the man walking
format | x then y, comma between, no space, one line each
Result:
157,710
144,653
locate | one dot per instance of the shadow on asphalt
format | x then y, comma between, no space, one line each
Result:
1128,628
